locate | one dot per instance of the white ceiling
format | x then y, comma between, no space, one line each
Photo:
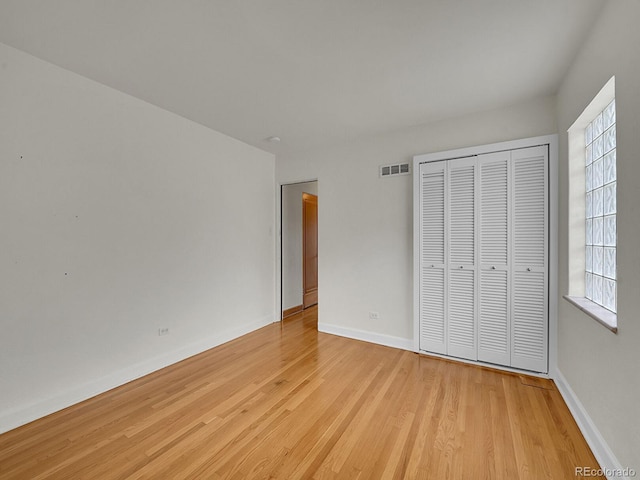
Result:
313,72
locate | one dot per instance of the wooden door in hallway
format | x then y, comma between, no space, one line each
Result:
309,250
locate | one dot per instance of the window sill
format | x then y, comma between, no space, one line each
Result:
599,314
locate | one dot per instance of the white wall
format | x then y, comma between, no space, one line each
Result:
365,222
118,218
292,241
599,366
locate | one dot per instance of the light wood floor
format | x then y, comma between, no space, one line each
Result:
288,402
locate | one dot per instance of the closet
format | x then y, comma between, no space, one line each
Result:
482,229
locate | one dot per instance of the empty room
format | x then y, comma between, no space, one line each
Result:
330,239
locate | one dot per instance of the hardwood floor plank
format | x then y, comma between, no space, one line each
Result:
287,402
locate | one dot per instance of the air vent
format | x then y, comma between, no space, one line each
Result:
393,170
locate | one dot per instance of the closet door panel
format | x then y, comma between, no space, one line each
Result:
462,223
494,329
529,338
461,319
432,258
494,209
529,206
529,314
461,298
432,311
493,325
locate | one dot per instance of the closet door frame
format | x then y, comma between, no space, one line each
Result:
551,141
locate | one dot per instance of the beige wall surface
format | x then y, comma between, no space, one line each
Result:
118,219
365,239
602,368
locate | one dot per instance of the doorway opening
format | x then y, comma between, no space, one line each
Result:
299,247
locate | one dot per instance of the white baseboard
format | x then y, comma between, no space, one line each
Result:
599,447
380,339
20,416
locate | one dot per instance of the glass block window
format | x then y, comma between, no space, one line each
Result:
600,262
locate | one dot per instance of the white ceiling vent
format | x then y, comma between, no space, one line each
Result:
393,170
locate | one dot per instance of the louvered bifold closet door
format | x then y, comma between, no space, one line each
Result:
432,258
529,335
461,295
494,328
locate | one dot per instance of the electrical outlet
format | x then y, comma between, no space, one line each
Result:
374,315
163,331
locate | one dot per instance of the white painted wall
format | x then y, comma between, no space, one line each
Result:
599,366
292,241
118,218
366,234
